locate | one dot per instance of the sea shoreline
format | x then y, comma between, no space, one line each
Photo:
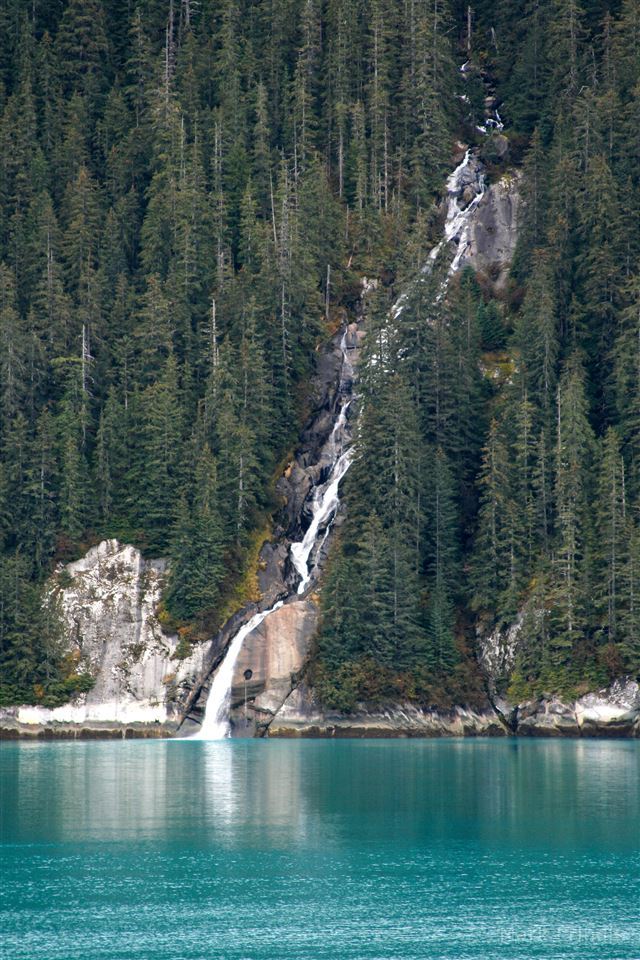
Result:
437,726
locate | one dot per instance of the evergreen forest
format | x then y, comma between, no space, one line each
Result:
191,192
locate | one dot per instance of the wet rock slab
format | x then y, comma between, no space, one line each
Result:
12,729
493,231
269,665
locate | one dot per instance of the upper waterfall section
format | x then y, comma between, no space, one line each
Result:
480,227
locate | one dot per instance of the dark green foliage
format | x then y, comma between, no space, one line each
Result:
177,183
32,666
525,488
198,547
176,180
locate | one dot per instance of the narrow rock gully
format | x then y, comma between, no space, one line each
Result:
291,562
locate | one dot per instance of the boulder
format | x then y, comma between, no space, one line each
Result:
614,711
547,718
611,712
495,148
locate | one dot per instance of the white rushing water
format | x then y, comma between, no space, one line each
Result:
324,506
215,725
326,498
457,224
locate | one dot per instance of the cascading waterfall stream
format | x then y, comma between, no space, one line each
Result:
325,498
324,506
326,502
457,223
459,217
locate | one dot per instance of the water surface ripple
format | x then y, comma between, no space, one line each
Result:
318,850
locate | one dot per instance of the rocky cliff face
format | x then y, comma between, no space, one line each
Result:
493,231
611,711
108,601
270,666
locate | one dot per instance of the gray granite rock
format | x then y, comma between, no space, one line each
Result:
302,716
613,711
493,232
108,601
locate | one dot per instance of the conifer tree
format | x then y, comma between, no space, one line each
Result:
197,568
13,349
83,49
574,447
441,653
627,380
155,477
538,338
612,540
495,572
72,423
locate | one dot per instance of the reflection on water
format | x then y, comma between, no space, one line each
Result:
247,790
292,793
349,850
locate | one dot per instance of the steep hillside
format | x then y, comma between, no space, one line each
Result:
190,198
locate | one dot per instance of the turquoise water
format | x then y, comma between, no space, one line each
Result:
317,850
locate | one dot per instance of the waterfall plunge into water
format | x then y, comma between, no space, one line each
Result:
215,725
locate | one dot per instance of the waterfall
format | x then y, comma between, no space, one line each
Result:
325,505
457,224
325,501
215,725
325,496
338,450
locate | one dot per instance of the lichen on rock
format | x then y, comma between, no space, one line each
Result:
108,602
